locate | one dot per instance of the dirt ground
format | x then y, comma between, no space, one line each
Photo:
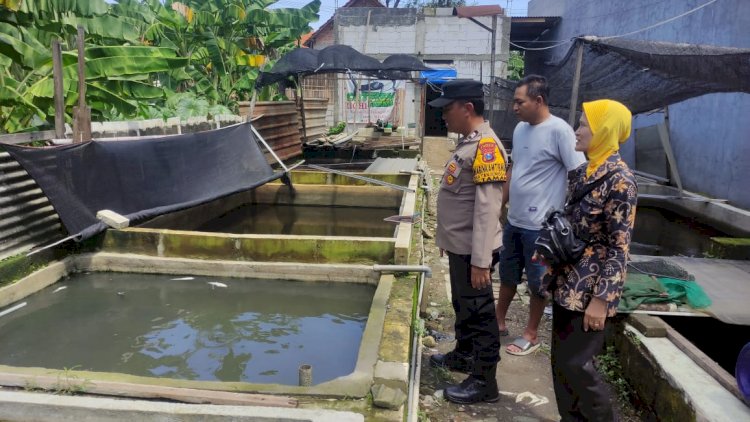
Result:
525,382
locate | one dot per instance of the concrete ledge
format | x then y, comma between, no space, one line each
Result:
671,384
648,325
22,406
287,248
727,218
392,374
403,232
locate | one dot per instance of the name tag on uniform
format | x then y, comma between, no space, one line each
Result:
532,209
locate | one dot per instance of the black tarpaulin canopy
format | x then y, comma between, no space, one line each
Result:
338,59
143,178
645,75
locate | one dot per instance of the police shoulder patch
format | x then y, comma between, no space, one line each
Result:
489,163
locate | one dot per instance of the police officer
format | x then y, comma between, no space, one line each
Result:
469,230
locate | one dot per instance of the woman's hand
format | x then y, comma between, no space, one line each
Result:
595,315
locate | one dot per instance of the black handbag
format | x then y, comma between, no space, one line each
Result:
557,243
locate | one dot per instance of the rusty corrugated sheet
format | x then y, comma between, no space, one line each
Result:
278,125
27,219
315,119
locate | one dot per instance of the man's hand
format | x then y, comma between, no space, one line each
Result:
480,277
595,315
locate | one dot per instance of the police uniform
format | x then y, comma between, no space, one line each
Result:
469,230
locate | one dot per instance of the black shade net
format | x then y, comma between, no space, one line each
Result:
643,75
143,178
339,59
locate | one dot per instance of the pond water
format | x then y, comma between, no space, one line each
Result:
257,331
304,220
665,233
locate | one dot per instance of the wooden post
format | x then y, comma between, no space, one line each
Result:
82,113
302,106
59,96
490,104
576,84
663,129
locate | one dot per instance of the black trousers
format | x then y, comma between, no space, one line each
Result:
581,393
476,324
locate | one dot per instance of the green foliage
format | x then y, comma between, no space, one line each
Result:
138,54
515,66
337,129
434,3
609,366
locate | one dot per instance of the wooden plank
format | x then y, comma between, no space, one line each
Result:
123,389
706,363
24,138
82,113
576,84
58,83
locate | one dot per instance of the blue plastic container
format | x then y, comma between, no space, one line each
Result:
742,372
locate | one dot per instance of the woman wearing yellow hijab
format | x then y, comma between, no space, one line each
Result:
587,292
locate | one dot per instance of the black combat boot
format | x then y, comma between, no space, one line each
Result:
480,386
454,360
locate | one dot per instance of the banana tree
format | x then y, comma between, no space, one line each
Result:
226,41
118,68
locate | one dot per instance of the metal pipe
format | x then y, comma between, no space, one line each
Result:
404,268
358,177
260,138
412,410
416,365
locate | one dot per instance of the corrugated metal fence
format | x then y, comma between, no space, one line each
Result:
26,216
315,119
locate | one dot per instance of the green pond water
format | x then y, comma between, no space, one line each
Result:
303,220
257,331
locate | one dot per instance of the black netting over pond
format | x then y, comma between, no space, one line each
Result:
643,75
339,59
143,178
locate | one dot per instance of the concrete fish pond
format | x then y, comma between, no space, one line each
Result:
190,328
325,218
203,331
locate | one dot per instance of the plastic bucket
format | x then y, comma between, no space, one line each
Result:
742,372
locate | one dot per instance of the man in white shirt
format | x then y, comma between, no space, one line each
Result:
543,153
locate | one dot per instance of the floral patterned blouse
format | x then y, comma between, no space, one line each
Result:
604,219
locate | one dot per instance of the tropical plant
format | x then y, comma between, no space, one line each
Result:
515,66
117,68
139,53
227,42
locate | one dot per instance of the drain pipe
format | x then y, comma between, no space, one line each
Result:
412,401
424,269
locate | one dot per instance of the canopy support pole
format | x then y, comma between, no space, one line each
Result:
576,84
263,141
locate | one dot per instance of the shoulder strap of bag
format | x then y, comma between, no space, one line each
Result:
577,196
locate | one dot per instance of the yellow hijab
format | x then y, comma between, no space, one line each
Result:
610,124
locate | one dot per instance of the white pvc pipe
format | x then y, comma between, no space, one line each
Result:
13,309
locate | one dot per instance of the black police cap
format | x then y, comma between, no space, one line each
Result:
458,89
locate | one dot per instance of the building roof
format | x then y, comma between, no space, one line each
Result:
477,11
528,28
303,39
328,26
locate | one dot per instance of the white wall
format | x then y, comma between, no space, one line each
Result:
431,34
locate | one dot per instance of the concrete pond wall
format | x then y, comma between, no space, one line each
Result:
310,188
382,362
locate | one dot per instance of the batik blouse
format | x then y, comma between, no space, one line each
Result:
604,219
